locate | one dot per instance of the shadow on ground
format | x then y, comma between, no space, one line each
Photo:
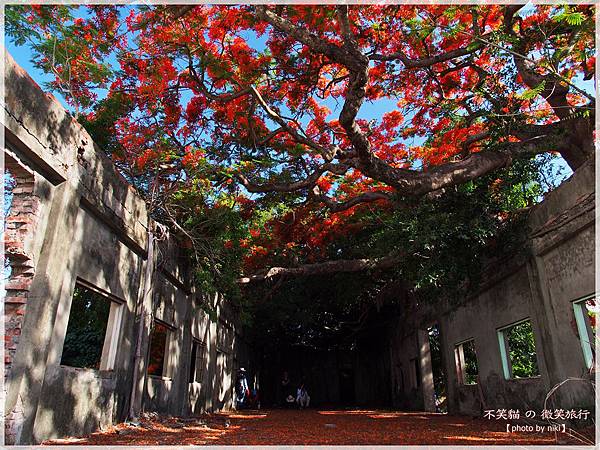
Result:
318,427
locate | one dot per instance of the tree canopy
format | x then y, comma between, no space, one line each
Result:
323,139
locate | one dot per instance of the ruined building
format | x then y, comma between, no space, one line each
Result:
76,231
78,235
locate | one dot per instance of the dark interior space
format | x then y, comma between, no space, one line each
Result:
338,346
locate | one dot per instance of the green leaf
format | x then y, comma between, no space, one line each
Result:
534,92
473,45
575,18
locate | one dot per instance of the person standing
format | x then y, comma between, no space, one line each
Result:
241,389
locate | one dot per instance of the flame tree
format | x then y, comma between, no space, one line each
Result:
317,138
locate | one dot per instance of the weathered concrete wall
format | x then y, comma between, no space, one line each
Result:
541,287
74,219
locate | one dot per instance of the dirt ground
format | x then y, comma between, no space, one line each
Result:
318,427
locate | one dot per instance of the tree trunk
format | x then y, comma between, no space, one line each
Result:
580,136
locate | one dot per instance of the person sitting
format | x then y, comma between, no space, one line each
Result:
289,401
286,390
302,397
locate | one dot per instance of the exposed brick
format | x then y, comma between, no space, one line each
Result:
23,189
17,309
19,277
23,272
13,332
18,286
20,225
11,243
21,219
16,300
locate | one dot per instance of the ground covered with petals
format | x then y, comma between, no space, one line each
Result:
317,427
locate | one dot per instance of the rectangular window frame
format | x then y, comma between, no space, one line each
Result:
584,329
198,370
415,372
167,368
504,350
459,361
112,334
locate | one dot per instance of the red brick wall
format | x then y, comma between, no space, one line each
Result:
20,224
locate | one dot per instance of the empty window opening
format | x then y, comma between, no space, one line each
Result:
517,350
159,338
586,311
415,372
466,362
437,368
197,362
92,333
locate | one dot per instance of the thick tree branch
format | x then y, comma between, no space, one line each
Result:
180,11
366,197
338,266
355,95
412,183
350,42
472,139
302,35
430,61
307,183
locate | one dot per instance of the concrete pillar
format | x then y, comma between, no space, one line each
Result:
187,342
50,284
545,324
427,387
143,325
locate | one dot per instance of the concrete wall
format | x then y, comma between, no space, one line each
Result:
74,219
541,286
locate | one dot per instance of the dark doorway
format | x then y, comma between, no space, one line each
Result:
347,393
437,367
